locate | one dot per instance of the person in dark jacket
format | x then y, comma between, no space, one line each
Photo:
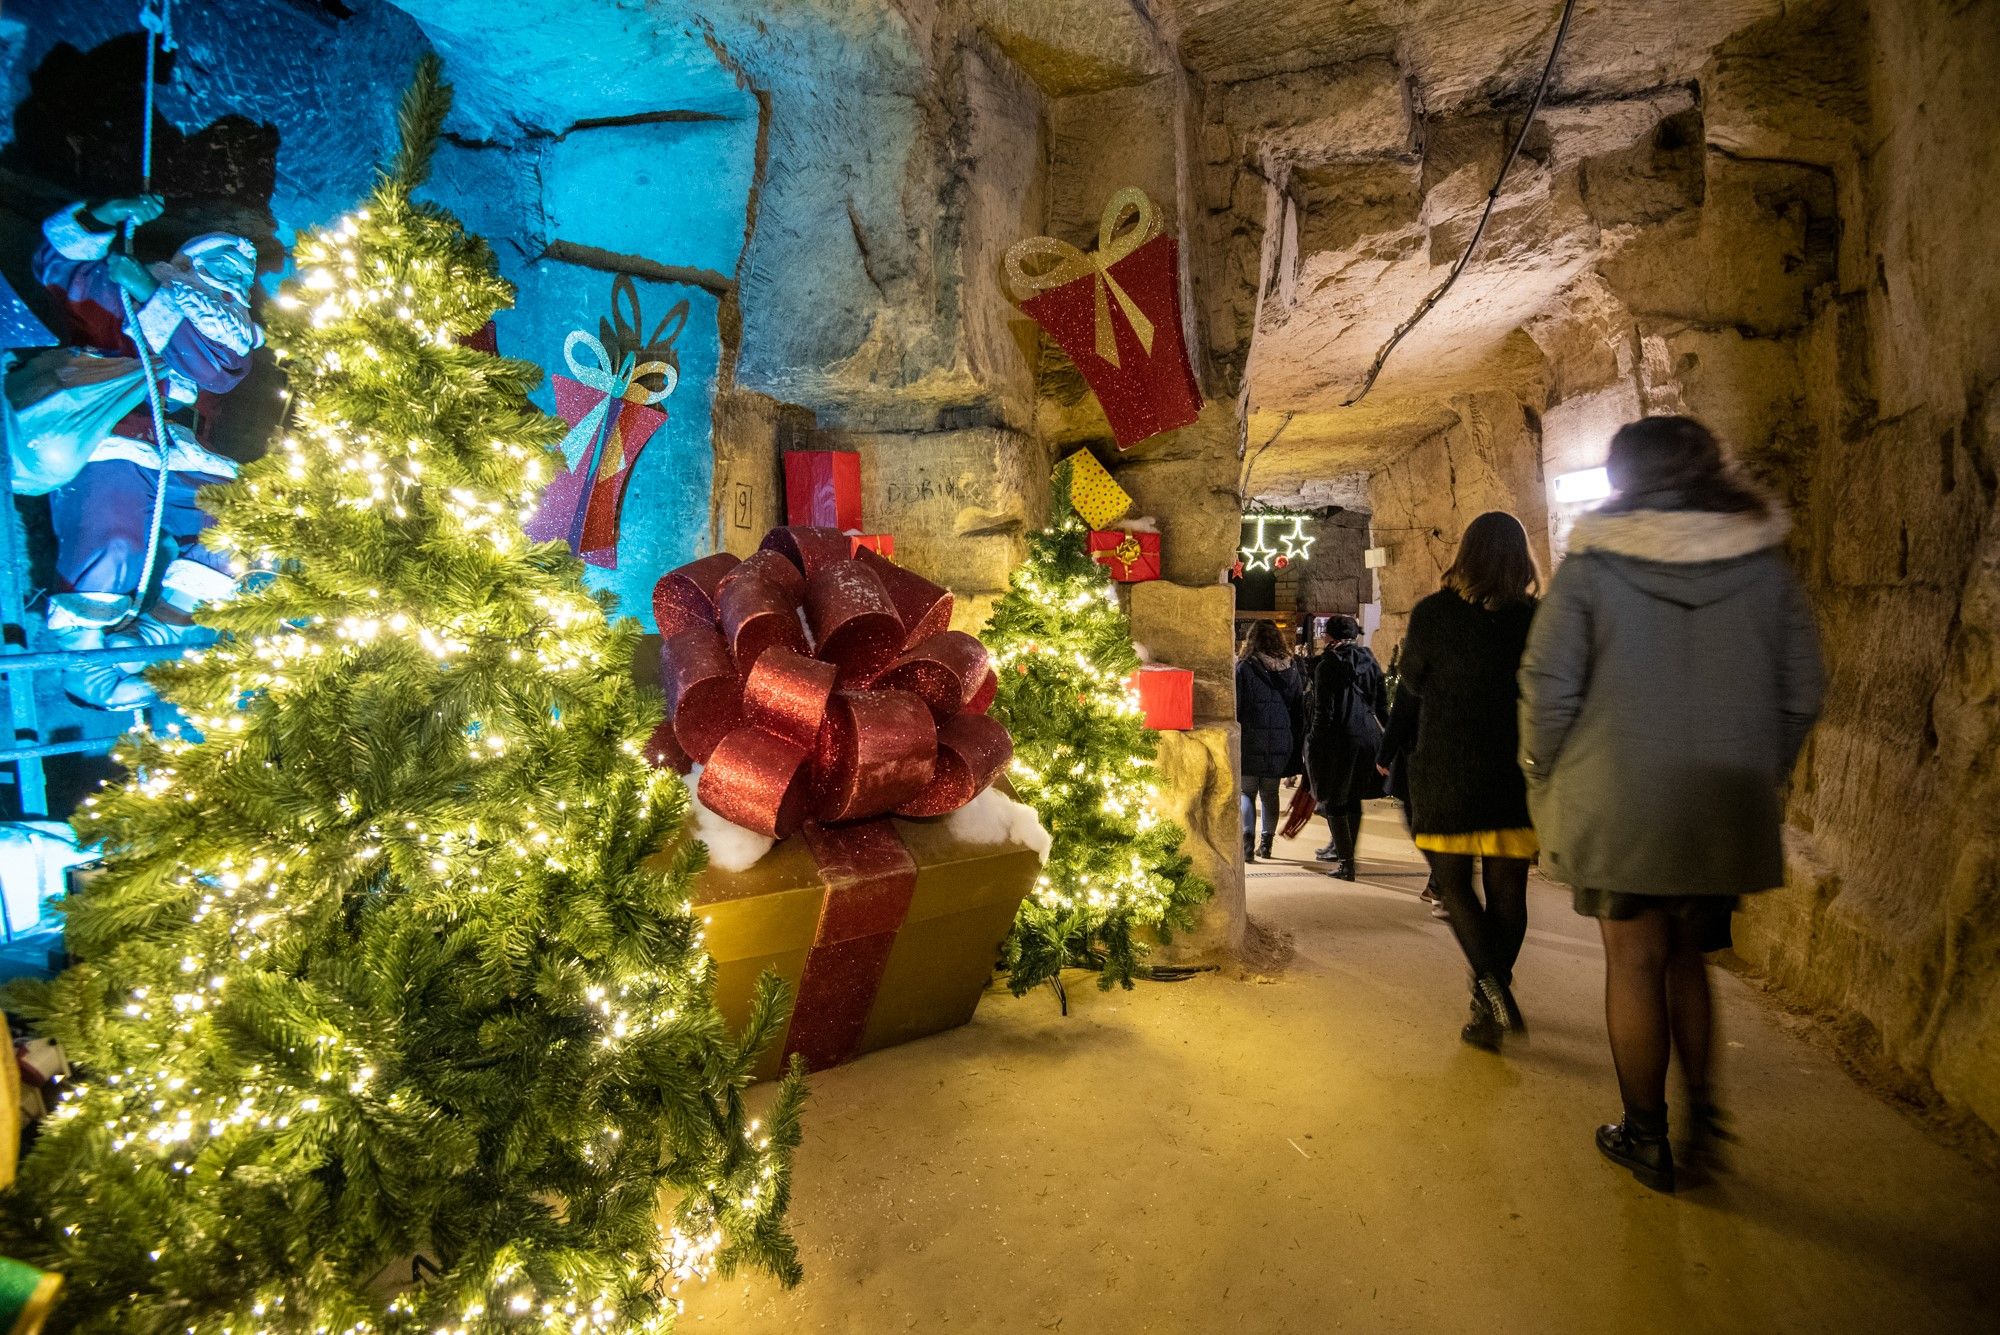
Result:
1350,707
1668,688
1270,707
1455,720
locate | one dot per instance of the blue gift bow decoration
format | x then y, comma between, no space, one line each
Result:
586,438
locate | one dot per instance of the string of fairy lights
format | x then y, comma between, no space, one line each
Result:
249,908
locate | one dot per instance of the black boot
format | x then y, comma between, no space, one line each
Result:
1639,1143
1249,849
1499,998
1264,847
1482,1031
1343,869
1707,1131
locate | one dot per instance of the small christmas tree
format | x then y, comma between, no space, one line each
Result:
1084,760
376,974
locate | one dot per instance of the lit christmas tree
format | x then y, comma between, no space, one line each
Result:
1083,759
376,985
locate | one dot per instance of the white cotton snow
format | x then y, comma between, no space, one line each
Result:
995,818
730,847
1138,524
1145,654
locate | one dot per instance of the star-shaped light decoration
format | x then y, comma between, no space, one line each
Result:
1258,553
1296,543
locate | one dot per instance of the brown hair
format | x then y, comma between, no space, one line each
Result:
1676,463
1263,639
1494,565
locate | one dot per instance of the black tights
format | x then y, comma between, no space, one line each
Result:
1490,934
1656,999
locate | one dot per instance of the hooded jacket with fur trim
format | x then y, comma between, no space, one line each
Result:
1667,690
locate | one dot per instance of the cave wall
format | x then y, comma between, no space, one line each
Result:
1892,915
815,200
1489,458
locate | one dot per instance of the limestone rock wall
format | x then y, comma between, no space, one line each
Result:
1892,916
1489,458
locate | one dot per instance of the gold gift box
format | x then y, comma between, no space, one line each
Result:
767,917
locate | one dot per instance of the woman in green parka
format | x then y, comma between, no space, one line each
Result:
1667,689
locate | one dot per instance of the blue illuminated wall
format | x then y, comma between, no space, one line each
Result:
645,169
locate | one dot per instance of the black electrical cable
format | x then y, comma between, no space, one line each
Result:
1492,197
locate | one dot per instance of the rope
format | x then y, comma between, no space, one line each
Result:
1492,197
158,23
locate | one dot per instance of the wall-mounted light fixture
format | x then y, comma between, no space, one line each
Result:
1586,486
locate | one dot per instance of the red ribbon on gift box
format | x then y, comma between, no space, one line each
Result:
821,690
882,544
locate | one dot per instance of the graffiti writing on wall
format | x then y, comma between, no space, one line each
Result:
914,491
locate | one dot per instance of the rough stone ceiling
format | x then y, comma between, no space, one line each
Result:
1460,52
1370,222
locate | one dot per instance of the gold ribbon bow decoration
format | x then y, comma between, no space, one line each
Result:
1128,554
1065,264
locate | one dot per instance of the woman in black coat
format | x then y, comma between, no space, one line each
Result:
1456,721
1350,706
1270,708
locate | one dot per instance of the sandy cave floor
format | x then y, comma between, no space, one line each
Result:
1319,1152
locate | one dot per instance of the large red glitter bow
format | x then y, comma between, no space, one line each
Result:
818,683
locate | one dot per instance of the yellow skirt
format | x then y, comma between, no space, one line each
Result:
1519,843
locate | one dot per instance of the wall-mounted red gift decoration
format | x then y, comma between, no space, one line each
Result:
823,489
1166,696
1117,312
882,544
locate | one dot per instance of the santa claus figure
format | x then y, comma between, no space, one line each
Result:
194,314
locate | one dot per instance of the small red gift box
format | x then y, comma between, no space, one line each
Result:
882,544
823,489
1166,696
1132,558
1117,312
